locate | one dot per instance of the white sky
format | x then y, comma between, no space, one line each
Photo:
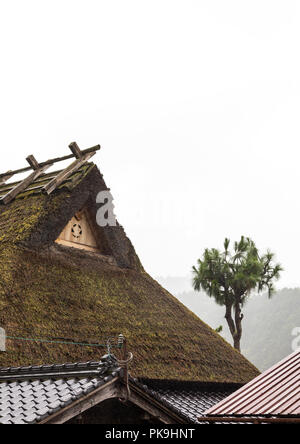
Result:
195,103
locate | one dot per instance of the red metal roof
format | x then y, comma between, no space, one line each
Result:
275,392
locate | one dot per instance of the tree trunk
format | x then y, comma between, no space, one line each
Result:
237,343
238,326
228,317
235,327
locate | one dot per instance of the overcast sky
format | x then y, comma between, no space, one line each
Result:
196,105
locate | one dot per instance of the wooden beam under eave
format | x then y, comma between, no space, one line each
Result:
149,404
108,391
65,174
20,187
250,419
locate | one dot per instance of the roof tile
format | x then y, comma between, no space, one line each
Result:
33,400
274,393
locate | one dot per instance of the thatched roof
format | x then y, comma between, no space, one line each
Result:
53,291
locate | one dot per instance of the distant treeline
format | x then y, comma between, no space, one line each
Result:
269,326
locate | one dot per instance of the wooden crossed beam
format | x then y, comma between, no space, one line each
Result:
5,177
39,169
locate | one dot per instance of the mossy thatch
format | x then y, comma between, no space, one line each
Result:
51,291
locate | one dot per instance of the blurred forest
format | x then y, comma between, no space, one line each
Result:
267,326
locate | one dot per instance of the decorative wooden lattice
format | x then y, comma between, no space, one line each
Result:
79,233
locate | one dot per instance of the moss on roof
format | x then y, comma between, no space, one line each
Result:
52,291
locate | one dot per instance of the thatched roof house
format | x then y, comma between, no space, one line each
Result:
65,277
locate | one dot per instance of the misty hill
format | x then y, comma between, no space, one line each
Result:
267,326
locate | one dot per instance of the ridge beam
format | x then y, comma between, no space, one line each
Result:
7,176
65,174
12,194
48,162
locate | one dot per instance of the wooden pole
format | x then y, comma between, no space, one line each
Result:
9,174
6,176
63,175
75,150
33,162
21,186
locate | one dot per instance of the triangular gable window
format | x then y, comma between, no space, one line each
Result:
79,234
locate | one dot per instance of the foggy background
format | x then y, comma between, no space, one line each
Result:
196,105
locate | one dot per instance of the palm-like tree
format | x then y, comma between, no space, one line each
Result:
229,277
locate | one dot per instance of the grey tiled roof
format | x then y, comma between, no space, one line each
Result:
189,403
29,395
